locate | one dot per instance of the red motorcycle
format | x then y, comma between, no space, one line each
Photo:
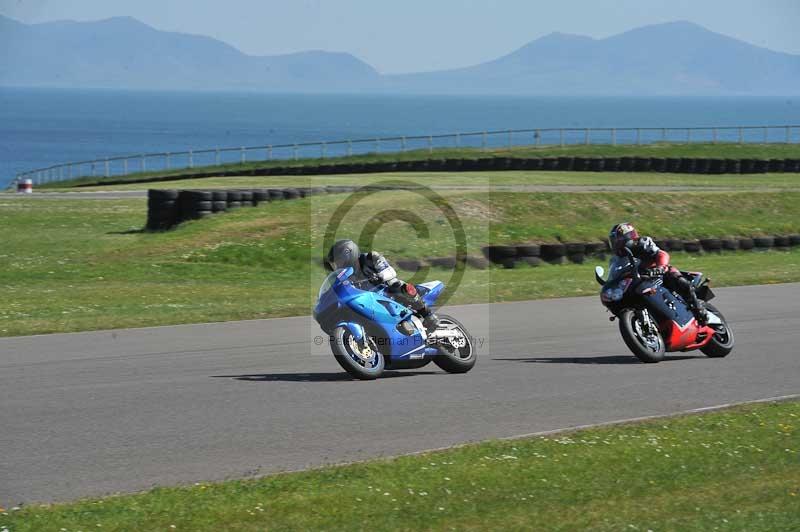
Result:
654,320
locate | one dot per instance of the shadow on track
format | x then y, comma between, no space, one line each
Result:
315,377
611,359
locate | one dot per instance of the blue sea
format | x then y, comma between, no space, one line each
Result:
42,127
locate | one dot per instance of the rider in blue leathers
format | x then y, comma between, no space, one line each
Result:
373,268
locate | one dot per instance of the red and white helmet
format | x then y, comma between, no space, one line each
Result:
621,236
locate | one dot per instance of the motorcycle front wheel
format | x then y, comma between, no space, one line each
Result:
648,346
456,355
361,359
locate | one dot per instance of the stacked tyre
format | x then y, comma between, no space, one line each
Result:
219,200
195,204
162,209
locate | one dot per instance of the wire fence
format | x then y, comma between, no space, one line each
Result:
482,140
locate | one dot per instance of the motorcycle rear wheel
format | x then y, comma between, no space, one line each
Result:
361,360
650,349
721,343
455,359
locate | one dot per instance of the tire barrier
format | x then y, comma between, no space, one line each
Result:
565,164
168,208
579,252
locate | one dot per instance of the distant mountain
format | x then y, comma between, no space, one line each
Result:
122,52
678,58
671,58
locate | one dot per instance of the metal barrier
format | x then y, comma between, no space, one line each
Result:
483,140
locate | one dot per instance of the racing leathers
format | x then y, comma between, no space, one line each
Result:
654,262
376,270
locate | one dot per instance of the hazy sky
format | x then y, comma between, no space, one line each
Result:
416,35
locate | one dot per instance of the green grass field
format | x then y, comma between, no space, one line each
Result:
72,265
721,150
735,470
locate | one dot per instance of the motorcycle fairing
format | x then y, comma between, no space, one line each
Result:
430,291
382,316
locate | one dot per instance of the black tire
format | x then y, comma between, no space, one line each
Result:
549,163
566,164
715,166
791,165
575,248
156,205
234,204
577,258
692,246
673,165
197,195
579,164
711,244
764,242
596,249
775,165
219,195
234,196
162,195
658,164
730,244
454,359
675,244
782,242
746,244
747,166
627,328
528,250
196,215
794,240
260,196
219,206
626,164
612,164
641,164
202,206
500,254
721,343
368,368
553,253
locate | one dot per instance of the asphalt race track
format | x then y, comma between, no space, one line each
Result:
94,413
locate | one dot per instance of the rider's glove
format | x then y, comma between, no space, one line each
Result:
654,272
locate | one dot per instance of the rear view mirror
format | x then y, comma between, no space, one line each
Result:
598,274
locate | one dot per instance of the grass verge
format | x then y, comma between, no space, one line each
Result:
74,265
737,469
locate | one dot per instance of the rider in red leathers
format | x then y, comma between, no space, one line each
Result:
655,263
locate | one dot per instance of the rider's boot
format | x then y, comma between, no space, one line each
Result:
429,319
697,307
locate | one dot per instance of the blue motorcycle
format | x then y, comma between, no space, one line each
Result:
371,332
